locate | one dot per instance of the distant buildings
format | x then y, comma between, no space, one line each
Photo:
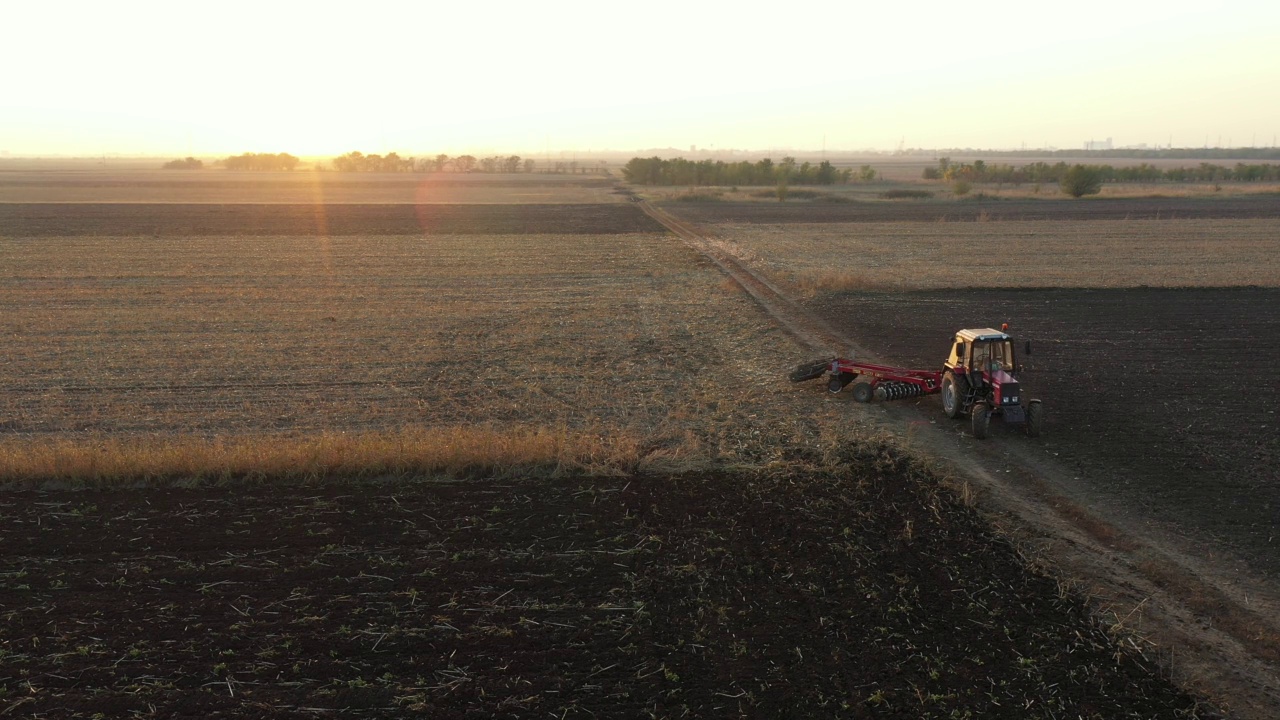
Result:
1098,144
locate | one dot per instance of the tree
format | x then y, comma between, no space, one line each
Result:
261,161
1081,180
359,162
529,165
394,163
787,166
765,170
464,163
351,162
826,173
188,163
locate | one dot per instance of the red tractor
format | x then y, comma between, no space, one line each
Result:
978,379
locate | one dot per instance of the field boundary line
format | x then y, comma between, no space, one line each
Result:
812,332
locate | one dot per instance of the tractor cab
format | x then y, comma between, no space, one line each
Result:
984,355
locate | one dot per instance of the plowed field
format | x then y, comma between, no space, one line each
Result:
1163,398
256,220
1262,206
692,596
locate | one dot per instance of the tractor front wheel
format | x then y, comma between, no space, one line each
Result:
980,418
1035,418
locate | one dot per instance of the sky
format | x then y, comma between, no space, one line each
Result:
211,79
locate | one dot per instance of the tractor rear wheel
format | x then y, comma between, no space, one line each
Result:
953,391
980,419
863,392
810,370
1035,418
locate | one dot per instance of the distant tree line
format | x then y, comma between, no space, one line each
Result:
188,163
1237,153
359,162
679,171
393,163
261,161
1041,172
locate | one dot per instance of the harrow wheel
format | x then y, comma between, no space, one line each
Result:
863,392
980,419
810,370
837,382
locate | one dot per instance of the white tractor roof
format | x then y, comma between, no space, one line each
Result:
981,334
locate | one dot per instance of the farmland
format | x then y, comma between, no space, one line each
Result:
718,543
63,185
1154,394
1158,329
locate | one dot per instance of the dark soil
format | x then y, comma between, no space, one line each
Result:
186,220
702,596
1259,206
1163,399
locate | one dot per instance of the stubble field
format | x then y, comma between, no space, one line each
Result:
734,548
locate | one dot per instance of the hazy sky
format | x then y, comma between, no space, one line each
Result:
219,78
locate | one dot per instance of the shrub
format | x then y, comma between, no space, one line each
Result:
1081,180
905,194
784,193
709,196
961,187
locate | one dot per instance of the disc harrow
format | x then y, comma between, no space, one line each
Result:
870,380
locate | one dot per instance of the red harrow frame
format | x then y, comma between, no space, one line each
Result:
870,380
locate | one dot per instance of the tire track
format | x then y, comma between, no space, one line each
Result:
810,331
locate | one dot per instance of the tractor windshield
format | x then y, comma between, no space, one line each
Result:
993,356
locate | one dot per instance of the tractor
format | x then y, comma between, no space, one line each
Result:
977,379
980,380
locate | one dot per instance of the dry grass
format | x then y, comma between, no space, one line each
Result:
825,258
451,451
